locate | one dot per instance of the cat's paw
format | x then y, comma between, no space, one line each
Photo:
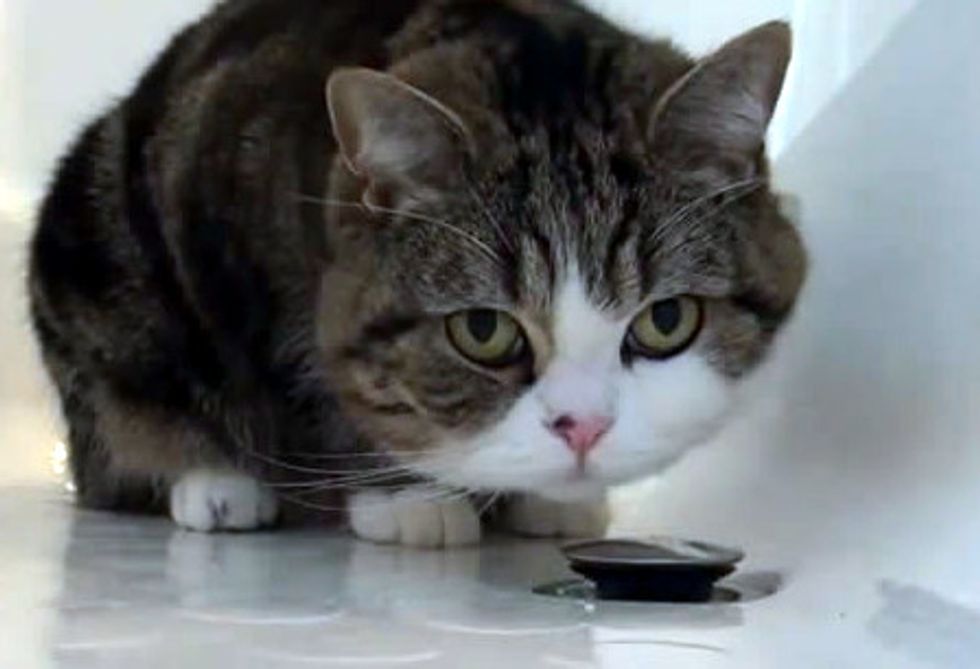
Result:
533,516
413,517
214,500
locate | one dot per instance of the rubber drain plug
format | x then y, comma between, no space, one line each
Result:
654,570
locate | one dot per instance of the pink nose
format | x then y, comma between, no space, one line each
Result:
581,433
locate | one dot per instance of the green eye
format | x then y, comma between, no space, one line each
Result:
666,328
488,337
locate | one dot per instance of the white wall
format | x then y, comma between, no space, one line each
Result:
62,61
832,39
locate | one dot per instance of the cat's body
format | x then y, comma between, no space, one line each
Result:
210,298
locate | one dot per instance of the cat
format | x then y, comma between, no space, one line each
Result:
431,253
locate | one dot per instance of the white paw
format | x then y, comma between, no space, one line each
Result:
413,517
534,516
212,500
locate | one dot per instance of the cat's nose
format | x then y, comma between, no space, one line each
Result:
581,433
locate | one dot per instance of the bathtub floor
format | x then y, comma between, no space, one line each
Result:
87,589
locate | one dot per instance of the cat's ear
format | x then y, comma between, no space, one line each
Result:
407,146
715,117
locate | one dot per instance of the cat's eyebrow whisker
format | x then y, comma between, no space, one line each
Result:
485,210
481,246
681,215
309,199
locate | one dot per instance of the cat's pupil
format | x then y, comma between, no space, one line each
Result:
666,315
482,324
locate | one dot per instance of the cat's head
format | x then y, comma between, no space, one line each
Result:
554,287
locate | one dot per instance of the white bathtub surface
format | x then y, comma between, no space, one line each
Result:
90,590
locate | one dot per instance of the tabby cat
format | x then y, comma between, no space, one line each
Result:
443,255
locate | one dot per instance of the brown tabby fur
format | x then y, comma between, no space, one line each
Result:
207,290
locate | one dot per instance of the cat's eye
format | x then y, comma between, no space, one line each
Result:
487,337
666,328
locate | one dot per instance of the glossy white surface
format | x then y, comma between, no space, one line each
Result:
84,589
857,484
90,590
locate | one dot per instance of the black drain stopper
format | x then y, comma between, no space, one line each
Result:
657,570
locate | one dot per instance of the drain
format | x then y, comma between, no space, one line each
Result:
583,590
656,570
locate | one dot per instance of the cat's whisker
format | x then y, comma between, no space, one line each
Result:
491,500
392,475
376,477
441,460
335,474
437,495
345,476
292,499
477,243
326,481
274,462
354,454
327,486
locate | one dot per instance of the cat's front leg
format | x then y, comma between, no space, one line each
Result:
419,517
533,516
221,500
